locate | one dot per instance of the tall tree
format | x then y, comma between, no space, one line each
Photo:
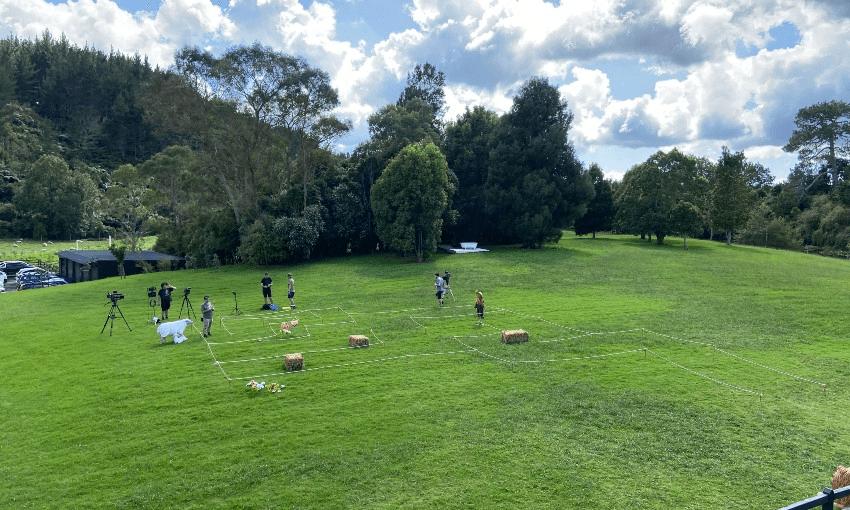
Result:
469,141
647,199
425,82
822,134
24,138
600,210
391,129
243,110
171,174
535,185
732,198
55,199
128,200
410,198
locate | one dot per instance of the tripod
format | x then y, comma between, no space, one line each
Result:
188,305
110,318
448,287
236,307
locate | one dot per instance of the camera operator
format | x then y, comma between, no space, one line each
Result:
207,311
440,284
165,299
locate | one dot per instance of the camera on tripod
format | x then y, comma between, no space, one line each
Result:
151,292
114,296
187,290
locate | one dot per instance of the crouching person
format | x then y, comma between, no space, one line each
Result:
173,328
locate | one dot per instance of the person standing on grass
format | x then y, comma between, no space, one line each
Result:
165,299
479,306
207,311
266,282
291,288
440,284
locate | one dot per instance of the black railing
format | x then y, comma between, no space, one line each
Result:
824,500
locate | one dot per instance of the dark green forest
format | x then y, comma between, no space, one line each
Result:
231,159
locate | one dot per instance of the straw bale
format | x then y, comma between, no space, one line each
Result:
358,341
514,336
293,362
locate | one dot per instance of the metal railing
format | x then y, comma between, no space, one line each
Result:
824,500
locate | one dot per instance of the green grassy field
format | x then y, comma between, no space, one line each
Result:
654,378
45,252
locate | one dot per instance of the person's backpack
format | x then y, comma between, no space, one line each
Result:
267,306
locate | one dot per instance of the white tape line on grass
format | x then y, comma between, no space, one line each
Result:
542,319
279,356
347,348
351,364
376,336
386,312
589,334
738,357
741,358
504,360
264,338
712,379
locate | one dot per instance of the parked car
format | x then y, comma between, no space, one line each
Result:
11,267
30,276
36,276
31,270
2,278
31,285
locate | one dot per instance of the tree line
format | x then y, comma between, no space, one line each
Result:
231,158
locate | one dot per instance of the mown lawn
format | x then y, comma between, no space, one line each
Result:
654,378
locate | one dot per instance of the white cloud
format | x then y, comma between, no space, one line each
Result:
705,97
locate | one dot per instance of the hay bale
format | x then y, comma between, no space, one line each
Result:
358,341
514,336
293,362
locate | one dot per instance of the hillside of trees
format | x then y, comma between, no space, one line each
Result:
230,159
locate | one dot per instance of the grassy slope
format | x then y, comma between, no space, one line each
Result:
94,421
35,251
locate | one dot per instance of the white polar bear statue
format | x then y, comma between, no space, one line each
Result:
173,328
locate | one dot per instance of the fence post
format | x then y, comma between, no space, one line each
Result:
830,497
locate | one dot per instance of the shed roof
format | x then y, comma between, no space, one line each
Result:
88,256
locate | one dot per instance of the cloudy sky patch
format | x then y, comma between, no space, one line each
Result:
639,76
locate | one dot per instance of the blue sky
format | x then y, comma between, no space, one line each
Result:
639,75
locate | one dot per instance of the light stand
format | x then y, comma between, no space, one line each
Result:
152,303
235,310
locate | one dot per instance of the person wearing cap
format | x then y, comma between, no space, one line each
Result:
441,288
291,287
266,282
207,311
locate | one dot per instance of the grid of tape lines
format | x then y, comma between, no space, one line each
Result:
254,345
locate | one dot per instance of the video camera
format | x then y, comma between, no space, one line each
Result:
187,290
114,296
151,292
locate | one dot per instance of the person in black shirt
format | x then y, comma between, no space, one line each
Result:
165,299
266,282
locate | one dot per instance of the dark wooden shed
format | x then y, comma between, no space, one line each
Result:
87,265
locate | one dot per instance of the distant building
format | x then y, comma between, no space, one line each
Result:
88,265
